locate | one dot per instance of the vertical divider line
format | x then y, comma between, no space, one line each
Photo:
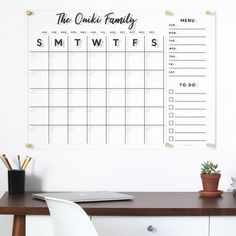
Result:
87,84
144,90
163,98
125,93
28,82
49,135
106,138
68,98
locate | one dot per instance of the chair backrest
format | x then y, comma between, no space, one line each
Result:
69,219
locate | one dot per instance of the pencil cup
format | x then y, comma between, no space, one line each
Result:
16,181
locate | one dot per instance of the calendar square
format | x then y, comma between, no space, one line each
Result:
135,135
38,115
38,80
154,79
116,61
97,79
58,97
97,97
58,135
39,134
97,116
135,61
154,97
38,60
77,97
78,116
116,135
154,61
135,79
58,79
154,116
116,79
116,116
97,135
78,135
58,61
135,97
116,97
38,97
78,61
154,135
135,116
58,116
97,61
78,79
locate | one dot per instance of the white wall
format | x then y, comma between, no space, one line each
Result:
119,170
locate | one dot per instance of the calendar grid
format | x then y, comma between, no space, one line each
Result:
142,106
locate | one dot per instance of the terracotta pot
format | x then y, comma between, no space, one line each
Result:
210,182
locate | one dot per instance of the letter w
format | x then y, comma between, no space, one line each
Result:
97,42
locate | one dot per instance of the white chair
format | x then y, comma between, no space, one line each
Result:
69,219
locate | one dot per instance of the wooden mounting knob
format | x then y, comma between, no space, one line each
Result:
211,145
169,13
169,145
29,13
29,145
209,13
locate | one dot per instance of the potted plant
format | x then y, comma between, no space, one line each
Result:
210,176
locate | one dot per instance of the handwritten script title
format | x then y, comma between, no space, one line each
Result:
109,18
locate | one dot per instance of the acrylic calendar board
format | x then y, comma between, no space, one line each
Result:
123,78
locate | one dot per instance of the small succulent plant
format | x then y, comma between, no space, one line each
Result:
209,168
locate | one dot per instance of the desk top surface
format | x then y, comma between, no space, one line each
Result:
143,204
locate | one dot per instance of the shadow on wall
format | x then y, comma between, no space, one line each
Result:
33,183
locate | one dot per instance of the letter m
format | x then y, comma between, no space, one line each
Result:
58,42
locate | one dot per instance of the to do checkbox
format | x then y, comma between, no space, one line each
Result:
171,130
